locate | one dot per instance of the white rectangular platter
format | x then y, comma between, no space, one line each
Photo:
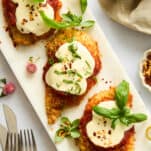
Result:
33,85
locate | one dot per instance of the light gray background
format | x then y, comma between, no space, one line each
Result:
127,44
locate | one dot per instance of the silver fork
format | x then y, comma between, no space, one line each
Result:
27,141
12,142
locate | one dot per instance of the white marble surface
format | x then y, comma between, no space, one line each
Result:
128,45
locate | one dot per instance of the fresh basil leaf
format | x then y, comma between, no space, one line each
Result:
60,135
65,122
69,20
84,4
66,18
114,123
52,23
135,118
108,113
124,121
121,94
87,24
75,134
75,124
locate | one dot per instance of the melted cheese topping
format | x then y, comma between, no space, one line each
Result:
100,132
75,66
28,19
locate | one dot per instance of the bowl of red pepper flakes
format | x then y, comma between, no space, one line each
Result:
145,69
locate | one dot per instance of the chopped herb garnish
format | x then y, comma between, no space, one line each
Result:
73,49
72,72
51,61
68,81
89,66
59,72
58,85
67,129
32,59
121,113
78,88
87,73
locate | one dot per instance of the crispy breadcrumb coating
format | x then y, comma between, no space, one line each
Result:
56,101
84,144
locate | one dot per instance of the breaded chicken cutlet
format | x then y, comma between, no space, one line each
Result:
24,23
84,143
70,43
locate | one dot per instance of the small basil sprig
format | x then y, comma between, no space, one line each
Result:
83,4
68,20
67,129
122,113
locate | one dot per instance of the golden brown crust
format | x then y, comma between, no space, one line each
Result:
25,39
55,101
84,143
19,38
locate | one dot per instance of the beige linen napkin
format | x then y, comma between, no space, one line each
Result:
135,14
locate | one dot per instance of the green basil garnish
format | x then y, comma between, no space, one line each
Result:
122,112
67,129
121,94
73,49
68,81
68,20
83,4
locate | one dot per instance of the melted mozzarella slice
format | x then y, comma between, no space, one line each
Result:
28,19
100,132
71,73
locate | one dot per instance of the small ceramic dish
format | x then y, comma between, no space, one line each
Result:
145,69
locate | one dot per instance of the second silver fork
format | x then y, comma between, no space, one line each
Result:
25,141
12,142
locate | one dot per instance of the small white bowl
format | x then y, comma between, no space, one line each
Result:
141,68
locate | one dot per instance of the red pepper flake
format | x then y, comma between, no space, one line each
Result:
98,136
94,133
6,28
109,132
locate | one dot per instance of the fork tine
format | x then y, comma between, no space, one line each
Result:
21,141
15,142
7,143
15,145
29,140
18,141
33,140
26,144
11,141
